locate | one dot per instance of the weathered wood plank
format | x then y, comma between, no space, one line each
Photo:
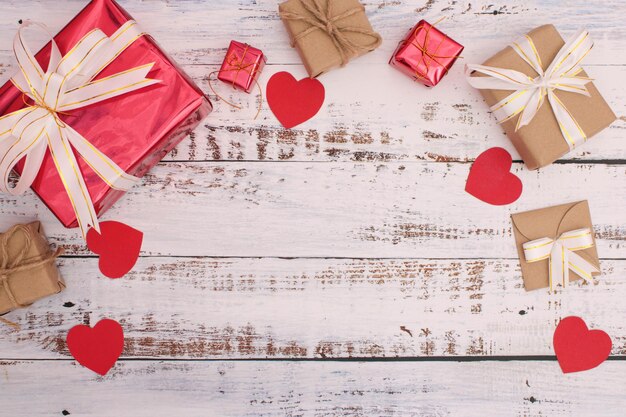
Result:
316,308
444,124
188,389
196,31
218,308
402,210
447,123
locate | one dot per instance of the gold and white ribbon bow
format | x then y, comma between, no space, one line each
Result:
561,256
68,84
529,93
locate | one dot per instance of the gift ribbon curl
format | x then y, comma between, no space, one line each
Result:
66,85
235,63
561,256
324,19
529,93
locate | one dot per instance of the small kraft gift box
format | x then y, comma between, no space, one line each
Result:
82,120
426,54
328,33
538,91
556,245
27,267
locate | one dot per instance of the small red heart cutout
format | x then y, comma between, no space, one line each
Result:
99,348
118,246
292,101
490,179
577,348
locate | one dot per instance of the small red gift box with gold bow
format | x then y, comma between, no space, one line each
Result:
242,66
426,54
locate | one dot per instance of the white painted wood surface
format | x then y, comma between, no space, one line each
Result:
327,389
242,308
348,237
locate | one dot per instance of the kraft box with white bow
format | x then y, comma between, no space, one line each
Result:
92,112
556,245
540,94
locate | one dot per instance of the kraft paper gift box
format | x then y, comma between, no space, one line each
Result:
541,142
135,130
552,222
27,268
325,43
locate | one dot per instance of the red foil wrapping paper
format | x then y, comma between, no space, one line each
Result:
135,130
426,54
242,66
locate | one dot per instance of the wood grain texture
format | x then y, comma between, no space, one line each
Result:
271,253
282,209
316,308
195,31
325,389
447,123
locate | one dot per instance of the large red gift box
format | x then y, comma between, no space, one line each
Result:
136,130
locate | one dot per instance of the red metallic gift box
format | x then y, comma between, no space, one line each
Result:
136,130
426,54
242,66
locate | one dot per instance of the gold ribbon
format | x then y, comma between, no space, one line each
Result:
69,83
529,94
424,49
237,64
11,266
325,21
561,257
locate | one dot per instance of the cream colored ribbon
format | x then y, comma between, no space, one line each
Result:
561,256
68,84
529,94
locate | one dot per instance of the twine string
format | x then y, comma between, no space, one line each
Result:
17,264
237,64
42,105
323,19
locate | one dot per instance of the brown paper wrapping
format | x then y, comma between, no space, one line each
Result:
550,222
33,284
318,51
541,142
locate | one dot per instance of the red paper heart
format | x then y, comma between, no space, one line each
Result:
99,348
118,246
490,179
292,101
577,348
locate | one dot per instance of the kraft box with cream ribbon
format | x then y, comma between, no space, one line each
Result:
540,94
92,112
556,245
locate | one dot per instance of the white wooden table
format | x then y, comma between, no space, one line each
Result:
338,268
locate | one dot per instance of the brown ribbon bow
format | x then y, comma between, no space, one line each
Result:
324,20
17,264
